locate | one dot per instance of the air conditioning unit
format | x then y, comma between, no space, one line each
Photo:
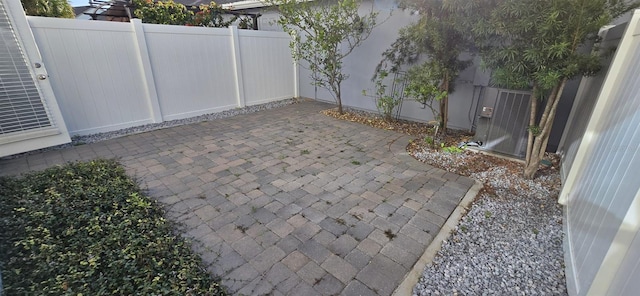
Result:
502,121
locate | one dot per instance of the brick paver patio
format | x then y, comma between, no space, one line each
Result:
287,201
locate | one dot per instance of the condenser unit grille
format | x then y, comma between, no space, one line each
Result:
507,126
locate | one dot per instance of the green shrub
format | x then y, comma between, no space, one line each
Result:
169,12
162,12
431,142
451,149
387,104
48,8
86,228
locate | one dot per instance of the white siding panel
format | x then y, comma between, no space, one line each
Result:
602,186
608,189
267,66
610,163
585,100
94,73
192,68
626,280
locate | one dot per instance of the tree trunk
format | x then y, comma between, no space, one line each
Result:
532,121
339,100
546,122
532,167
444,105
544,147
443,116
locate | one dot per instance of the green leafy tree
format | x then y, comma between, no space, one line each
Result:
437,38
425,86
172,13
162,12
212,15
324,33
535,44
48,8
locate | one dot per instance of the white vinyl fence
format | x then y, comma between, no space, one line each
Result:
601,192
108,75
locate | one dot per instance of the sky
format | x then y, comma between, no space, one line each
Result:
79,2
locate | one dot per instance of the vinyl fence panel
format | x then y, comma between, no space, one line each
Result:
95,73
267,66
192,69
108,75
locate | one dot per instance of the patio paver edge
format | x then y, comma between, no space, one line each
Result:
413,276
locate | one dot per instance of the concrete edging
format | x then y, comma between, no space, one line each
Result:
412,278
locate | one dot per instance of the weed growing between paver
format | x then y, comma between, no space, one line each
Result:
88,228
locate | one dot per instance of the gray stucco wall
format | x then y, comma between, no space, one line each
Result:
361,64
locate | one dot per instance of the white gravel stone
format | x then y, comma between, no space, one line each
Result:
509,244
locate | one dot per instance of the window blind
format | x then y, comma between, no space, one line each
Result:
21,107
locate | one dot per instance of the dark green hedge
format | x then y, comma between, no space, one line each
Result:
87,228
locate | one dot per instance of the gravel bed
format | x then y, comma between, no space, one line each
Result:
79,140
510,241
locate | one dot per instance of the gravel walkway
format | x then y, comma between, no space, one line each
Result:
508,243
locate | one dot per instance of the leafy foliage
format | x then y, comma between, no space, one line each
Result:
162,12
451,149
48,8
385,102
324,33
429,141
424,86
172,13
212,15
86,228
537,44
437,38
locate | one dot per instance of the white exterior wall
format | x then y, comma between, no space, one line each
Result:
586,97
108,75
601,191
